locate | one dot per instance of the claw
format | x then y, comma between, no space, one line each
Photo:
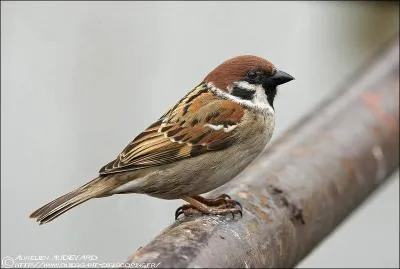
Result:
224,196
186,210
221,205
240,212
240,205
180,210
231,202
235,211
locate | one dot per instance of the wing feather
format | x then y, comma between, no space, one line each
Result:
198,123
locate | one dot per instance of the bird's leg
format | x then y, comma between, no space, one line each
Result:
218,206
222,201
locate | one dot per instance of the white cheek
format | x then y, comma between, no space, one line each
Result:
260,97
245,85
259,101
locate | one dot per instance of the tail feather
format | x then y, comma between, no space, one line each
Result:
59,206
61,210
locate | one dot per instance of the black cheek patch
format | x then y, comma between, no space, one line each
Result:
242,93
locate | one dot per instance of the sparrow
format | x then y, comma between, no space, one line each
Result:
207,138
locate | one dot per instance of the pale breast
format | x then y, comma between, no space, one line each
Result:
206,172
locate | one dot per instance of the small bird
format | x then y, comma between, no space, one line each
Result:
199,144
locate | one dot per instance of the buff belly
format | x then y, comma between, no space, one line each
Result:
204,173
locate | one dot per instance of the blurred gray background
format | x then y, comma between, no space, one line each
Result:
80,79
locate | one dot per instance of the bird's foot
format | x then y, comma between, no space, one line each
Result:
187,210
222,201
221,205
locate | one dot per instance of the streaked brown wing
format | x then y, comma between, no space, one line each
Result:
198,123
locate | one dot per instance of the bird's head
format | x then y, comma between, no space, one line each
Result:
248,78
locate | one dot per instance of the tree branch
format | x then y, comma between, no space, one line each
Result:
303,186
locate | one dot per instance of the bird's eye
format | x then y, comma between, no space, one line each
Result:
255,76
252,74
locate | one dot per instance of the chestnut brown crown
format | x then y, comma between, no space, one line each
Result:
235,69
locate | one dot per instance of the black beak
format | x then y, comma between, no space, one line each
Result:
279,78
